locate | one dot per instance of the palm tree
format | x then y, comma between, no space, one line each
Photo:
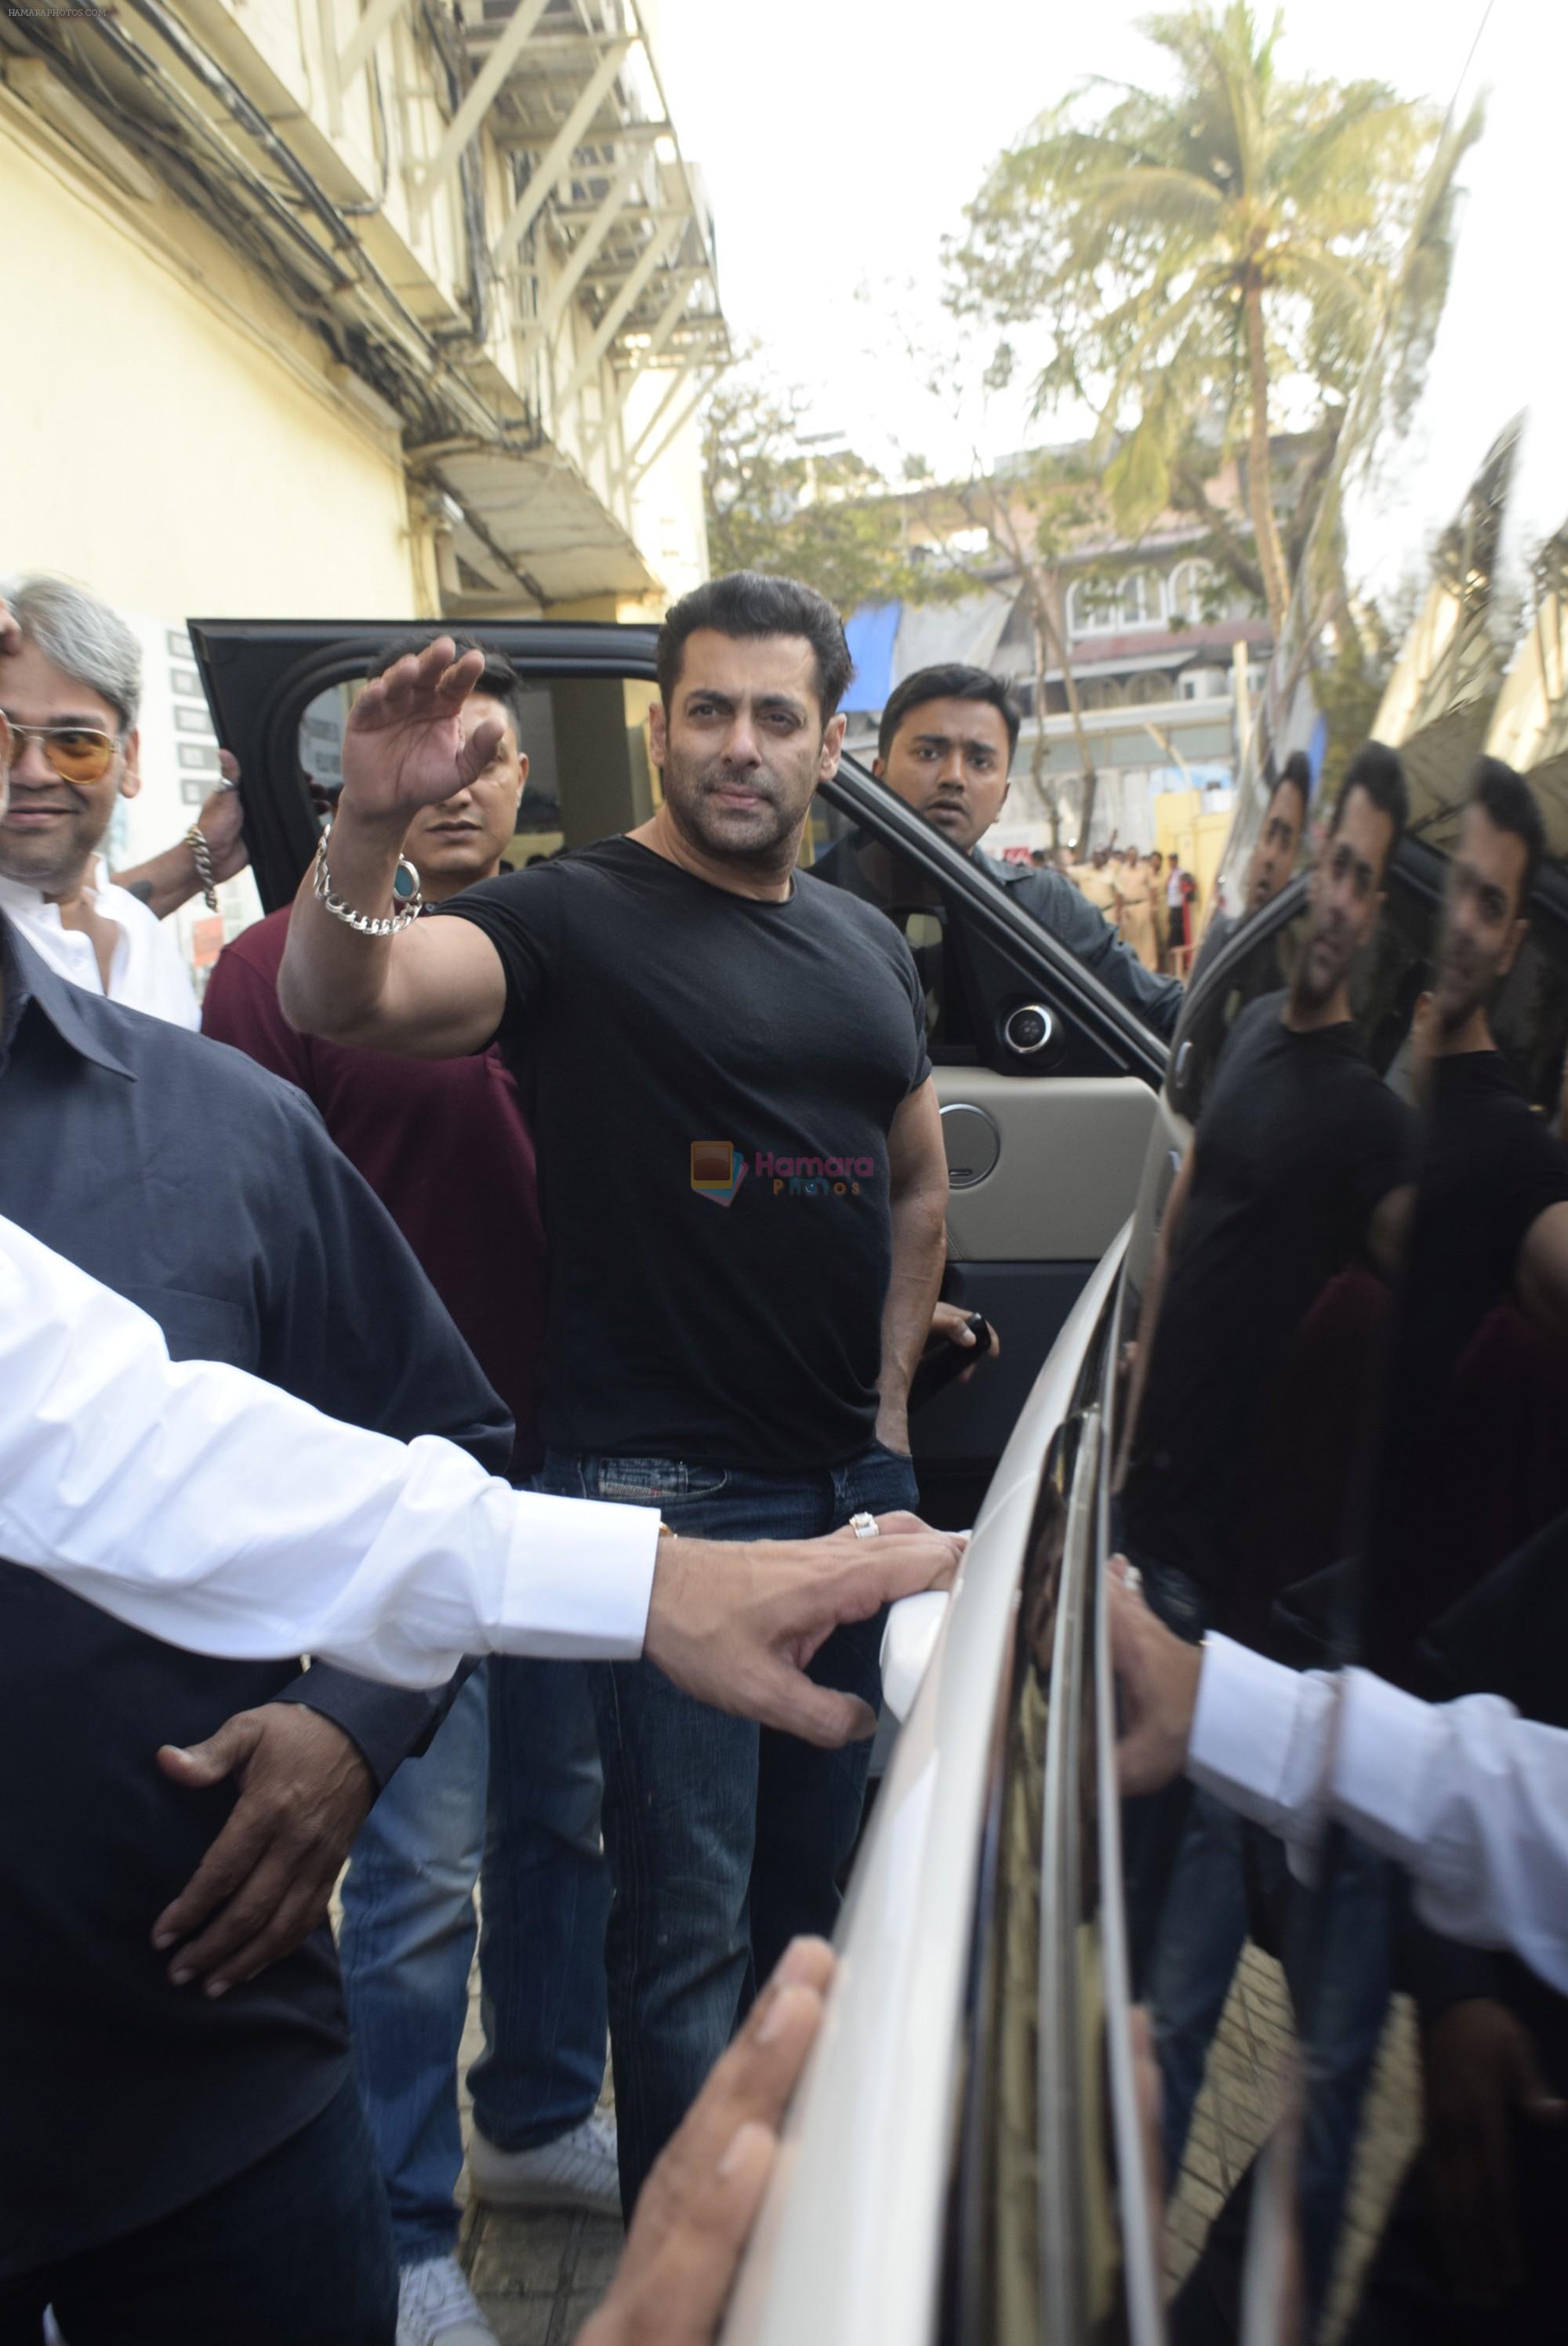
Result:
1213,258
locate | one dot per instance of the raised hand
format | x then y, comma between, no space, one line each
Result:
407,743
223,820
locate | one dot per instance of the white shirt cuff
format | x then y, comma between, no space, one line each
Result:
1386,1745
1259,1735
578,1579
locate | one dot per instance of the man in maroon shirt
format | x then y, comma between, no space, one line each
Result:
407,1936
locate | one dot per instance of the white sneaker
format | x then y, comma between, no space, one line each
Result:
576,2170
434,2301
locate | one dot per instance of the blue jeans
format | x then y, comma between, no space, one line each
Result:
1338,1952
546,1901
1153,1823
292,2251
407,1936
724,1839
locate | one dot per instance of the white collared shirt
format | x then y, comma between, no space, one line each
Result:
1471,1799
154,1490
147,972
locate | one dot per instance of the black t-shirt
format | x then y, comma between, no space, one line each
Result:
1489,1167
710,1082
1297,1143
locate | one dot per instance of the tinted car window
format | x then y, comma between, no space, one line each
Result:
588,771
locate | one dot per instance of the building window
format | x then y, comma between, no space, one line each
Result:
1195,595
1200,595
1106,606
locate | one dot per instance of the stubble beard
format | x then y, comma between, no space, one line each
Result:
1310,993
765,838
1455,1011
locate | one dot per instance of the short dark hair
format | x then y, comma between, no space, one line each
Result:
746,605
952,681
1509,804
1377,771
498,680
1295,774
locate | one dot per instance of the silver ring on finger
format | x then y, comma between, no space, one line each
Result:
864,1525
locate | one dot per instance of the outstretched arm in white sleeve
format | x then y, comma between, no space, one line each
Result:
208,1508
1470,1798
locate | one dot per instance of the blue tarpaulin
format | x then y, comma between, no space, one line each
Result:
870,633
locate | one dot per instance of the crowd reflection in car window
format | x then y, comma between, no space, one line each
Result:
1289,1194
1343,1444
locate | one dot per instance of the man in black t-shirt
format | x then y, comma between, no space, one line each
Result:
1269,873
744,1190
1487,1239
1295,1170
1298,1150
1489,1225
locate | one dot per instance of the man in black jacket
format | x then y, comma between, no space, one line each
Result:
175,2095
945,747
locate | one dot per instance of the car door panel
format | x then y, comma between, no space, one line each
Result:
1069,1151
1044,1173
1032,1303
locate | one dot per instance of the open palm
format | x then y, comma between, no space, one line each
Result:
408,743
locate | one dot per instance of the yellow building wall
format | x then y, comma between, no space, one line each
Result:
169,435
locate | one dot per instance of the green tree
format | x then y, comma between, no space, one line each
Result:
1214,259
1019,523
800,503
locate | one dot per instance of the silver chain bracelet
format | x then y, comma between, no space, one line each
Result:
200,855
408,901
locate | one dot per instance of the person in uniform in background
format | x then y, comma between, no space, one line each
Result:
1135,900
1094,882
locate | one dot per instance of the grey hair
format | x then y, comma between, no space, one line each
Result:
82,637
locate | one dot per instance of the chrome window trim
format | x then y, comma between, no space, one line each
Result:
1064,2216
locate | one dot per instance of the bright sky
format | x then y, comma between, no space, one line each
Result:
841,139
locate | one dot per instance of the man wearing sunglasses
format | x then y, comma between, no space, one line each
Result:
69,688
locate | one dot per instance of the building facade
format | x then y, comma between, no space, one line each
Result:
1165,650
315,310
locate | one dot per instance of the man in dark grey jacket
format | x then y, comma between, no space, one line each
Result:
945,747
